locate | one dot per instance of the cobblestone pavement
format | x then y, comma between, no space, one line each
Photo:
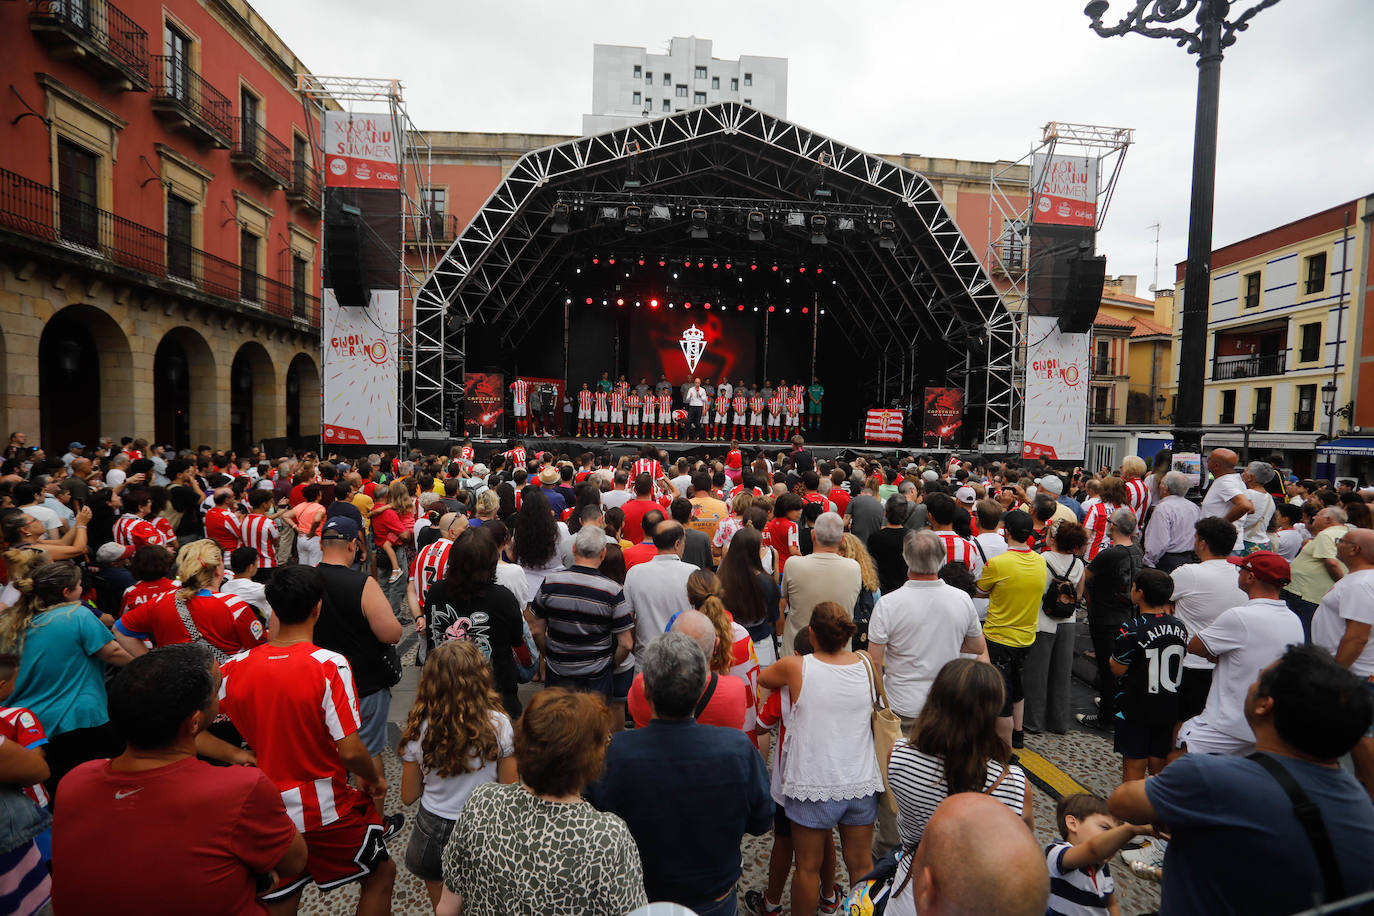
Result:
1083,756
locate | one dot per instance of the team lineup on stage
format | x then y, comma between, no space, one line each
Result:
703,411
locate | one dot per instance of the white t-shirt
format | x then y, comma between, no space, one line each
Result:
683,482
1218,499
1201,592
923,625
1352,598
512,576
254,593
1245,640
445,796
52,524
613,498
992,544
1255,525
1286,542
1071,568
115,476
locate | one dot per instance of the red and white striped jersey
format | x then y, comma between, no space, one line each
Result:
774,406
623,387
722,405
793,405
132,531
517,456
618,401
467,453
21,726
756,405
164,528
647,466
600,398
649,402
260,533
1096,522
825,504
798,392
665,404
741,404
584,399
1137,496
141,593
225,621
222,526
430,565
521,389
294,704
632,403
960,550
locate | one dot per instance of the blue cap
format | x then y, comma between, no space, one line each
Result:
341,527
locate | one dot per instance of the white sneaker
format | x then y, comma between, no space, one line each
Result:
1149,855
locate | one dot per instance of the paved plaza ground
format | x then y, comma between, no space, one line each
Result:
1056,762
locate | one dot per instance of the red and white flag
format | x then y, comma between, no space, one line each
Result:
884,425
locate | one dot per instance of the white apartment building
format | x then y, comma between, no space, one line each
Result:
632,84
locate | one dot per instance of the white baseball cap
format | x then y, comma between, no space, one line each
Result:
966,495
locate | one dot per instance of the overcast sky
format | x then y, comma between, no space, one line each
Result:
974,79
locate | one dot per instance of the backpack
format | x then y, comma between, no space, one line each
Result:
1061,598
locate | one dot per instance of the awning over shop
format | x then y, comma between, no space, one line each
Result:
1349,445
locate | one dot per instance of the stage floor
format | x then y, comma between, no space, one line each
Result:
677,448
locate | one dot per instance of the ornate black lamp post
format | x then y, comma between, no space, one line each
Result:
1213,32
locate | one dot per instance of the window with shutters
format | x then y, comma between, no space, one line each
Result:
180,222
76,185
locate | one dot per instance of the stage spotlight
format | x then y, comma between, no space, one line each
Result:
715,265
886,230
756,308
604,302
819,223
707,306
610,214
674,275
770,308
636,303
741,306
568,301
844,224
819,271
595,259
802,269
754,222
787,311
632,176
634,219
687,263
805,310
701,263
620,302
562,218
578,270
610,261
699,224
653,303
589,300
670,305
796,220
775,267
641,262
728,265
753,265
687,304
659,214
822,311
662,263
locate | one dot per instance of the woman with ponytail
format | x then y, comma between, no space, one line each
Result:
62,649
734,654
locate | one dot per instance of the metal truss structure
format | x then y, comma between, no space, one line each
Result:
916,284
1011,223
418,261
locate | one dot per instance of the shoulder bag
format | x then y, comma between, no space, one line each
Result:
194,632
887,730
1310,817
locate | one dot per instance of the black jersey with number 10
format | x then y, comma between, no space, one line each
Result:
1152,647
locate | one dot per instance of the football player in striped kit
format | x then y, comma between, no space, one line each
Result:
741,417
632,404
520,390
791,419
665,412
651,417
756,403
600,412
618,411
584,410
722,418
775,418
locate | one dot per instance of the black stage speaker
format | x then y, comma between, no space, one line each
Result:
343,262
362,243
1084,294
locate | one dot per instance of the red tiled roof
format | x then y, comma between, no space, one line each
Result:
1147,328
1110,321
1129,300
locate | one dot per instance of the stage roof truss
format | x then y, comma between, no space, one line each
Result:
499,269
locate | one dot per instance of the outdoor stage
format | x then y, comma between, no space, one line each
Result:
680,448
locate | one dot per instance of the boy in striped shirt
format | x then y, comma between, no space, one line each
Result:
1080,880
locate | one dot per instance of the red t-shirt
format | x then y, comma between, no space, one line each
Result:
202,831
227,621
725,708
141,593
294,704
387,527
634,518
21,726
222,526
639,553
780,534
840,498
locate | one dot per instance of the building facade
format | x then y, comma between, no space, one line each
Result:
631,84
159,226
1286,338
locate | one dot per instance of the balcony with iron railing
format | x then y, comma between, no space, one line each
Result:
263,155
1230,368
1104,416
183,99
304,190
98,237
97,36
1305,421
432,229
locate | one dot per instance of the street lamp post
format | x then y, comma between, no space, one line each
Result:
1212,34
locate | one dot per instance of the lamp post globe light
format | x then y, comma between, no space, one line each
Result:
1213,30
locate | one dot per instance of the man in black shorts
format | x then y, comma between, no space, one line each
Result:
1148,662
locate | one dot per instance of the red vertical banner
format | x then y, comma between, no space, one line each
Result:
484,404
944,416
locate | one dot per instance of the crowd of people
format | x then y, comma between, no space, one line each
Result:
701,410
627,666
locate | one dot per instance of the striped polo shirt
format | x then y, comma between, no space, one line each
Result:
584,611
1077,891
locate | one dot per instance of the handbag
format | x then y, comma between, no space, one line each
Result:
184,613
887,731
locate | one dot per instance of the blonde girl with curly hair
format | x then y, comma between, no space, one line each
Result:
456,737
869,592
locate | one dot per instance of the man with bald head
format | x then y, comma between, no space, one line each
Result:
1342,623
1226,497
723,698
976,858
687,791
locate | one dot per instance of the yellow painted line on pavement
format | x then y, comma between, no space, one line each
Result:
1047,776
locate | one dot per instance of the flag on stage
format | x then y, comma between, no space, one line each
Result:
884,425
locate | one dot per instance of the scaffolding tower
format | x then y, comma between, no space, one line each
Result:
1011,224
375,96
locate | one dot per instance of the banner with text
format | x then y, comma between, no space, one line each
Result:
484,400
1065,190
361,352
884,425
1056,399
944,416
360,151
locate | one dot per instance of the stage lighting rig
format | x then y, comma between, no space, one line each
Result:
634,220
632,168
562,219
755,226
819,225
659,214
699,230
887,230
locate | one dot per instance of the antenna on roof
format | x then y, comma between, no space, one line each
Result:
1154,287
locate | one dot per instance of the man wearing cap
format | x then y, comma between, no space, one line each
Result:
549,479
1242,641
1069,509
1342,623
966,497
74,450
356,621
